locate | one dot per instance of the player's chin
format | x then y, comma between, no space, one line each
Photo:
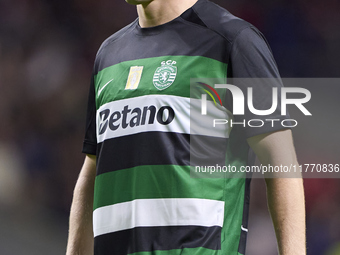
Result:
136,2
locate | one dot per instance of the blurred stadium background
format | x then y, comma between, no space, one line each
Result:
47,49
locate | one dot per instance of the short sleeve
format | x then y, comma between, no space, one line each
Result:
252,65
251,57
90,140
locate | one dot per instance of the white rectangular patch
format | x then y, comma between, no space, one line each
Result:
158,212
163,113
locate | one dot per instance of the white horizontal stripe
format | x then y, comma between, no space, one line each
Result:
182,123
158,212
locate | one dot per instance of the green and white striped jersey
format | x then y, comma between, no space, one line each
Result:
139,125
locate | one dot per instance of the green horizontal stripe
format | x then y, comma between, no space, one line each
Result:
169,181
161,181
187,67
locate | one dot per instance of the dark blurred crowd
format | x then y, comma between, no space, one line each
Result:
47,49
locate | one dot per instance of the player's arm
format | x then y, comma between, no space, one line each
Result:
285,195
80,239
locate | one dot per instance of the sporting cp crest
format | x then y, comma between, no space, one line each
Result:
165,75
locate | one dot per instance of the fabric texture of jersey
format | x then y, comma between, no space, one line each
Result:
138,126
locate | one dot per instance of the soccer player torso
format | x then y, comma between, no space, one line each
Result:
146,201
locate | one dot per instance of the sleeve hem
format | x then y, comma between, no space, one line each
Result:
89,148
266,128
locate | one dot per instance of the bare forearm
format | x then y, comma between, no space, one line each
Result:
287,208
80,240
285,194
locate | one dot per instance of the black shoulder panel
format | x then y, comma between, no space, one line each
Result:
205,30
191,16
110,40
222,21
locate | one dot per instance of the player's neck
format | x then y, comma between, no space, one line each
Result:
159,12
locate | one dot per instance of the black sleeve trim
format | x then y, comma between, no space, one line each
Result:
90,140
89,148
266,128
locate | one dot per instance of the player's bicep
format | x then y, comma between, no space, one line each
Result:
276,147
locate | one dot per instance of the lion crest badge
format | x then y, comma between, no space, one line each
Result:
165,75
